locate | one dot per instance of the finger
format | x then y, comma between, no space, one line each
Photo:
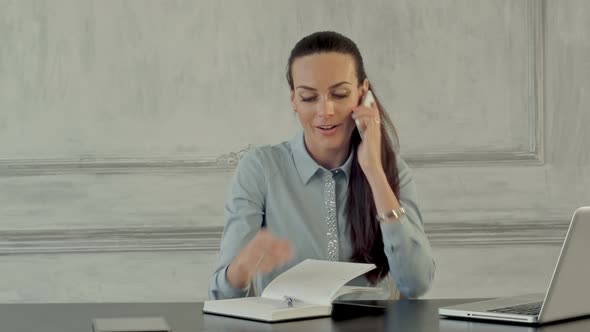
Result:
370,108
364,113
361,111
284,250
256,260
279,253
367,121
274,250
270,262
264,240
253,259
256,249
268,266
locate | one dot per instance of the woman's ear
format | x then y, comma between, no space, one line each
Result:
364,87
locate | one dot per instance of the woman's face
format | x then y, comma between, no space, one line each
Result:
325,92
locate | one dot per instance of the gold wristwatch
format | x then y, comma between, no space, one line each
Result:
392,215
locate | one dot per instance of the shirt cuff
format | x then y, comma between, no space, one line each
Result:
226,288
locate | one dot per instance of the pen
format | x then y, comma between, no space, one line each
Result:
289,301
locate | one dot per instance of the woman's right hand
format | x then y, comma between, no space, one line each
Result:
263,253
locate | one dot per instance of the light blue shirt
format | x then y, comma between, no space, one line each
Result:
281,188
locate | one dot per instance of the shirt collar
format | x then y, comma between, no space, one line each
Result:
304,163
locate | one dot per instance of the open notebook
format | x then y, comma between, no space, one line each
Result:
304,291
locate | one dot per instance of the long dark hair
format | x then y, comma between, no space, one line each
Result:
363,228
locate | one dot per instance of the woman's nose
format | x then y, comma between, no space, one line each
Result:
326,107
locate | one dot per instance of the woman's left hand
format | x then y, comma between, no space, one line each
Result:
369,150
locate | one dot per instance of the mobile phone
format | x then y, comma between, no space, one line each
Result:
367,100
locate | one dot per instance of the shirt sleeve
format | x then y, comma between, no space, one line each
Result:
244,215
405,243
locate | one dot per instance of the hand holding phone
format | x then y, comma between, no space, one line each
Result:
368,99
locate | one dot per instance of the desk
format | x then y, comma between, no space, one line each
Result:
404,315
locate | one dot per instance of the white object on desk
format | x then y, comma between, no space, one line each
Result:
130,324
304,291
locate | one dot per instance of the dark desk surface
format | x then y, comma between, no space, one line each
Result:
405,315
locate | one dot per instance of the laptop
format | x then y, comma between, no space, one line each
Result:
568,294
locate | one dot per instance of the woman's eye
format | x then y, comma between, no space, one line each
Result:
313,98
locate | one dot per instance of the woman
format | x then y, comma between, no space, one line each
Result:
326,194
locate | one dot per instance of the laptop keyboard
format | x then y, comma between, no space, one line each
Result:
528,309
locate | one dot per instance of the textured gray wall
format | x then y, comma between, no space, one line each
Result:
121,121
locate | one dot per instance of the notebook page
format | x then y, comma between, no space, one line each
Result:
314,281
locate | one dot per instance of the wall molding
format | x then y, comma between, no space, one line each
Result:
533,156
200,238
112,239
228,162
25,167
114,166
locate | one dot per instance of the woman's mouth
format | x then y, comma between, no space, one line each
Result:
327,129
